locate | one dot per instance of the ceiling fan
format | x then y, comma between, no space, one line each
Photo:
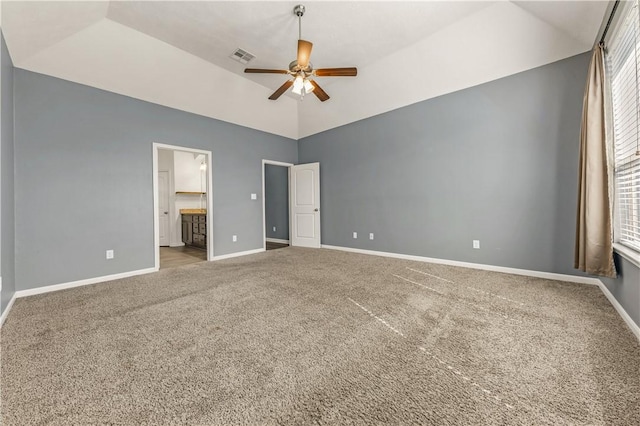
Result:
302,70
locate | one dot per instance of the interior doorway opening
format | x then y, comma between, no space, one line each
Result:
183,205
276,206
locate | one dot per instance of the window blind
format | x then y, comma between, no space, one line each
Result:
623,63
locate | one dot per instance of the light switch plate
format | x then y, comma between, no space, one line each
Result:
371,235
109,254
234,238
254,196
476,244
355,235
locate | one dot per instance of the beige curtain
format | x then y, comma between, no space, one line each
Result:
594,245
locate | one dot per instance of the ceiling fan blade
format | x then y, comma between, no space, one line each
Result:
317,90
337,72
304,53
263,71
281,90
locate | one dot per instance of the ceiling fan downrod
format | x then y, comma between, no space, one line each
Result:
299,12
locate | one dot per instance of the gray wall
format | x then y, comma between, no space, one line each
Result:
496,162
626,289
83,178
276,190
7,230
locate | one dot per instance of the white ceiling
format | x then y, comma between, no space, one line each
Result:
177,53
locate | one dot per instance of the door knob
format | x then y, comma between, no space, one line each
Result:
315,210
166,212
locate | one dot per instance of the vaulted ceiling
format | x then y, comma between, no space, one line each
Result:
178,53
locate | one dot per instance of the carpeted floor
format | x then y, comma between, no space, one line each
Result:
303,336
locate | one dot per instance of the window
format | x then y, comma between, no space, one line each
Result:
623,66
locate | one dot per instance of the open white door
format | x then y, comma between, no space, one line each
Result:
305,205
163,208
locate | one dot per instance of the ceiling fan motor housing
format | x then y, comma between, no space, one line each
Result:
295,68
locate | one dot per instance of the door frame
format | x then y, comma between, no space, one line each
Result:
264,213
156,226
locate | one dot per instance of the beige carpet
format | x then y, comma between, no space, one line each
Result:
302,336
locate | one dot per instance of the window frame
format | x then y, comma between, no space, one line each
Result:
630,253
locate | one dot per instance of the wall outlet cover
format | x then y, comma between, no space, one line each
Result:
234,238
476,244
254,196
371,235
274,229
355,235
109,254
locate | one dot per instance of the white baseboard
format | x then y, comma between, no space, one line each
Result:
80,283
237,254
277,240
635,329
503,269
5,313
177,245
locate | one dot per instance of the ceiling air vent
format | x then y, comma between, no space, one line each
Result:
242,56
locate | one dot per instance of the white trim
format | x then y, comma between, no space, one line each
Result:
503,269
635,329
156,226
238,254
80,283
277,163
156,211
628,253
5,313
177,245
264,212
277,240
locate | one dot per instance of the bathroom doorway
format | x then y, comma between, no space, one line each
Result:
183,220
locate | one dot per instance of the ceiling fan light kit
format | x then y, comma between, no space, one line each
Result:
302,70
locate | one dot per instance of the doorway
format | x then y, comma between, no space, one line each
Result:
300,213
183,205
275,208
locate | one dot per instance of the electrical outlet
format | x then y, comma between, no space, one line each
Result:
274,229
109,254
234,238
476,244
254,196
371,235
355,235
